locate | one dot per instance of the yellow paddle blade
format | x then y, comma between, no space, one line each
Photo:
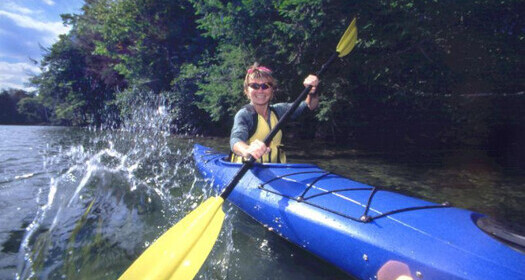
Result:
180,252
348,41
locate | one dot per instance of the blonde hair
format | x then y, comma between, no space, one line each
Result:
259,72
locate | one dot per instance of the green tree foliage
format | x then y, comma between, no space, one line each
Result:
20,107
115,45
397,87
423,72
32,110
66,86
420,57
275,33
9,98
147,39
186,115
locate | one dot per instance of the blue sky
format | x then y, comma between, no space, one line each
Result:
24,26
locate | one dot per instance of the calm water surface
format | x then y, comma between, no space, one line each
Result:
83,204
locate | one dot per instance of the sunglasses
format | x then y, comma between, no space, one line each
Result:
263,86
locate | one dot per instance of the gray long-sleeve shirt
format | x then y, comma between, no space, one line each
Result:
243,121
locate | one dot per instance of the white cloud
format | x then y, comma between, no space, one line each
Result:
56,28
49,2
25,26
16,75
15,8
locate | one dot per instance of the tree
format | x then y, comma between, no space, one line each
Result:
9,98
148,40
404,82
32,110
66,87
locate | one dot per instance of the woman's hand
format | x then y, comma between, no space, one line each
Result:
256,149
313,81
312,100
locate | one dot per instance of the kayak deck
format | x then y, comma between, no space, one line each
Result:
309,192
360,228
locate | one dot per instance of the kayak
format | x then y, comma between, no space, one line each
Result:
366,231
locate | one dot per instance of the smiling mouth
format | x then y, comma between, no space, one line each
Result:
260,96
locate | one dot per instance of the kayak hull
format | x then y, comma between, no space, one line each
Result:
348,224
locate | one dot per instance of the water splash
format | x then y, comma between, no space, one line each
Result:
114,192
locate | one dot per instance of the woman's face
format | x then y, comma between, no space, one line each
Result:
259,91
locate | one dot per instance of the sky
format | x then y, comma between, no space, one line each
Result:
25,26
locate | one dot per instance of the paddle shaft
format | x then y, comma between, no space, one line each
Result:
248,164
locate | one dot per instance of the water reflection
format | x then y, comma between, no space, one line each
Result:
468,179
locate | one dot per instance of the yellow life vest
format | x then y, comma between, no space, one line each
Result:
276,155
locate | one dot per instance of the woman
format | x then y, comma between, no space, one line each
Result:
254,121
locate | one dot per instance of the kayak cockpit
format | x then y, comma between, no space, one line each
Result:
502,233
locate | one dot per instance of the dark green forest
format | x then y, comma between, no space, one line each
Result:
427,73
19,107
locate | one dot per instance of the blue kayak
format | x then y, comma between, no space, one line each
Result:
365,230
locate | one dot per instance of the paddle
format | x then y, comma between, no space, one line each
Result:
180,252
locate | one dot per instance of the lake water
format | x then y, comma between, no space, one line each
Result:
84,203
